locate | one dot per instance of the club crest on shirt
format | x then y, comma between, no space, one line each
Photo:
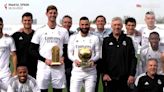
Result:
45,33
124,43
110,43
159,82
149,56
59,33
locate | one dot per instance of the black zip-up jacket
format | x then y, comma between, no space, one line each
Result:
118,56
67,61
148,84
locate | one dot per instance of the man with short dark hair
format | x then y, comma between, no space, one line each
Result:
22,40
22,82
153,50
135,35
101,32
89,43
50,40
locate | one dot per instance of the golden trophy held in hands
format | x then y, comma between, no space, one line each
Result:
55,56
85,55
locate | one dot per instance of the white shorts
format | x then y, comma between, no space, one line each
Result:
47,74
78,79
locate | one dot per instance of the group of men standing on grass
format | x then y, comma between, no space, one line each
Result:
113,55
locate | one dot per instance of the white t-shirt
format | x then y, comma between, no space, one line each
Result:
147,53
145,32
76,42
7,46
47,38
136,42
29,86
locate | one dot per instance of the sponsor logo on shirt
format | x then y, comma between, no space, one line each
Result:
124,43
52,39
83,46
159,82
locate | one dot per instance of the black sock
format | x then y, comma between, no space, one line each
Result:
57,90
44,90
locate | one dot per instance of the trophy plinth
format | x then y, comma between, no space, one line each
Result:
55,56
85,55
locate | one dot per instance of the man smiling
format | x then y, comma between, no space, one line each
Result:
22,82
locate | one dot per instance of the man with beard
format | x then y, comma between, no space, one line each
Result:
83,74
119,61
22,82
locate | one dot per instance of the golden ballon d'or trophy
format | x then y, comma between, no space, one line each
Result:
85,55
55,56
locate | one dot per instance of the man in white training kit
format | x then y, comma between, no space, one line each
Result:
7,48
130,25
46,38
83,75
153,50
151,27
22,82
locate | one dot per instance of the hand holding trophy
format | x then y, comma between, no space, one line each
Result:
55,56
85,55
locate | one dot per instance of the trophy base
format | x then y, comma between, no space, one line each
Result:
55,63
85,64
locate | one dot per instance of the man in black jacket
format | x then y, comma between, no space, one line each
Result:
22,40
119,59
150,81
67,23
